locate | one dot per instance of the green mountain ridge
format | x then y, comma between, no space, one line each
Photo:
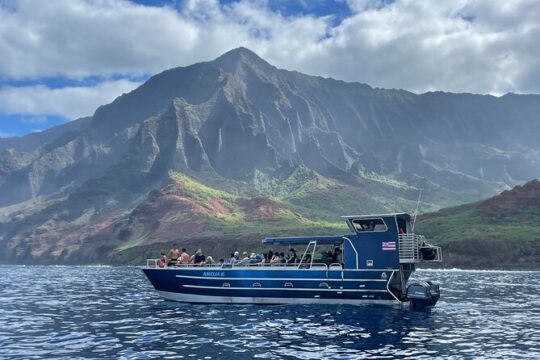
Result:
237,148
500,232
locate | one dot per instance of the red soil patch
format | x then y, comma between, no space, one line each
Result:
259,208
509,201
217,207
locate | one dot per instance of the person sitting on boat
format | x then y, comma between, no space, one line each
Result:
244,261
401,232
292,259
234,258
221,262
275,259
162,261
282,258
198,258
184,257
254,259
307,262
209,260
268,256
339,256
174,254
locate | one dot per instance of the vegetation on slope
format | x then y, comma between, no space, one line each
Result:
501,232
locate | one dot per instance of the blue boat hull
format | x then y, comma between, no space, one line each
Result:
272,286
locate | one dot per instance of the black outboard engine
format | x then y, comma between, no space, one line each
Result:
422,294
428,253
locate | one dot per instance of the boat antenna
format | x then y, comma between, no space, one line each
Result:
416,210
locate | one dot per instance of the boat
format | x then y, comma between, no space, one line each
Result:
376,261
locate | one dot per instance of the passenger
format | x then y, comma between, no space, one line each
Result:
401,231
198,258
244,261
245,258
335,255
210,260
174,254
253,259
184,257
327,257
371,226
282,258
270,256
307,262
162,261
275,259
292,256
221,262
235,258
339,256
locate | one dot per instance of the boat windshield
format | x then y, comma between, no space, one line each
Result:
373,225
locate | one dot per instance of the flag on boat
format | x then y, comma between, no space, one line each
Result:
389,245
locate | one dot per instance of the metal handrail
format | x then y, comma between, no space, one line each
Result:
152,263
410,246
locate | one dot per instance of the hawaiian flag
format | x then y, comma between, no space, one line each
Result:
389,245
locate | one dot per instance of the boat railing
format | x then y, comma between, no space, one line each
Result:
414,248
153,263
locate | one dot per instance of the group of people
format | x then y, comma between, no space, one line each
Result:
176,257
269,257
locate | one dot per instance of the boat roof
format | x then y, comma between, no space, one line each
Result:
370,216
299,240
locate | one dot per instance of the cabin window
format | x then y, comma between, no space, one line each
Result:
370,225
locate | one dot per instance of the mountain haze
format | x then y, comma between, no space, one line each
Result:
243,136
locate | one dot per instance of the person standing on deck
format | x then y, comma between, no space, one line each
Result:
174,254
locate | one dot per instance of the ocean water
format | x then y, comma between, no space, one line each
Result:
112,312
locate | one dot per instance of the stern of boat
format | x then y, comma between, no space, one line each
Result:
414,249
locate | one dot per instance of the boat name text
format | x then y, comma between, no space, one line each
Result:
213,273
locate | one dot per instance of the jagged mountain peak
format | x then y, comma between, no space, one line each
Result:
241,56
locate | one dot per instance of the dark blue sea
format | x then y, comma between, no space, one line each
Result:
112,312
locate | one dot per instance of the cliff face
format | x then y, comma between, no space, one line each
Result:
238,123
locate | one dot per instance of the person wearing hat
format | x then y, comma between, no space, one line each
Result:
234,258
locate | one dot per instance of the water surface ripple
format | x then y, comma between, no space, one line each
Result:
112,312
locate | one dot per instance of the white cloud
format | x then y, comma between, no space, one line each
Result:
71,102
462,45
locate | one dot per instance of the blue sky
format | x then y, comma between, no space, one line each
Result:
62,59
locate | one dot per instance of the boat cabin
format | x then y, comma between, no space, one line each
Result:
383,241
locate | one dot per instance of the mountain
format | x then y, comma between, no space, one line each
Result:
239,126
500,232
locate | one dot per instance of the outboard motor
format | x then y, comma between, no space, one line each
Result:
422,294
428,253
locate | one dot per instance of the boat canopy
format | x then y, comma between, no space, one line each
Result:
303,240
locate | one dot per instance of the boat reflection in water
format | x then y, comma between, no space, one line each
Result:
378,257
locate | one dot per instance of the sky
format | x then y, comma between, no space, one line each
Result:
61,59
